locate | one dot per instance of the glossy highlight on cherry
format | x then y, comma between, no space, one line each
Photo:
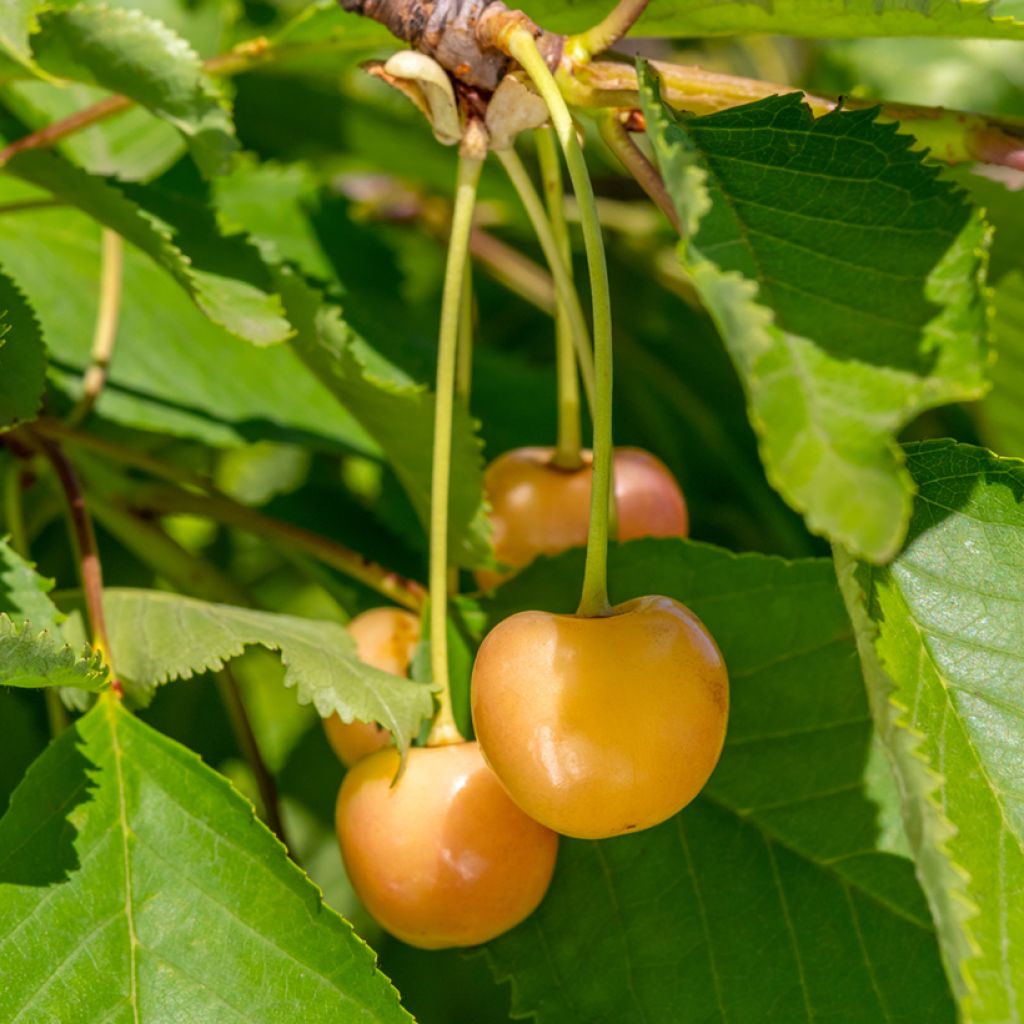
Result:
602,726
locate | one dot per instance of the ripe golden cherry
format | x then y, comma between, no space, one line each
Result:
539,509
386,639
443,857
601,726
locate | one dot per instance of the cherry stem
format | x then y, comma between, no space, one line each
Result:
83,538
566,295
464,353
618,140
570,438
605,33
105,335
594,599
445,730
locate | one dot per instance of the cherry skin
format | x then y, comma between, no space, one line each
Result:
601,726
539,509
443,857
386,639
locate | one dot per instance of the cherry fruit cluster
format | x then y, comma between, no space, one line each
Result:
590,727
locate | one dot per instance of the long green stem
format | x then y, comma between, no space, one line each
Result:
607,32
445,730
570,439
564,287
105,334
464,356
594,600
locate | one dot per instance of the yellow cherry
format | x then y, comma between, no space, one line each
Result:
601,726
386,639
442,857
539,509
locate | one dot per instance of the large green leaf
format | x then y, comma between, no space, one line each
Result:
127,52
17,22
223,275
824,19
396,412
846,280
1002,420
779,894
941,637
22,357
156,637
32,650
137,885
174,371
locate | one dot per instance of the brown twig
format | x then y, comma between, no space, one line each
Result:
169,500
617,139
86,553
122,453
953,136
231,696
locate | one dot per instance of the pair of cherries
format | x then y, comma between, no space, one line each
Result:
586,727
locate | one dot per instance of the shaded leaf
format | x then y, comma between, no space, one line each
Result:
198,381
825,19
1000,414
129,53
183,637
17,22
941,638
22,357
121,849
845,278
396,412
234,295
776,895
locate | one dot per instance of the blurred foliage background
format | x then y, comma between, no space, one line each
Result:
351,186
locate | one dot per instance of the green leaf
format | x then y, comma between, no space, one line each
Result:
1001,422
846,280
223,275
17,22
134,146
327,23
22,357
941,638
32,650
129,53
184,637
33,659
23,592
395,411
175,372
775,896
824,19
137,885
